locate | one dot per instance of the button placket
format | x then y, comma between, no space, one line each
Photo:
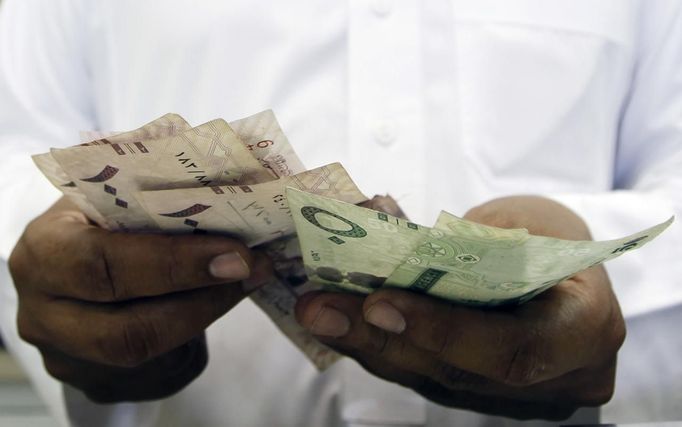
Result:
384,132
385,99
382,8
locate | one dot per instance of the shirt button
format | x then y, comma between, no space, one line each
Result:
385,132
382,8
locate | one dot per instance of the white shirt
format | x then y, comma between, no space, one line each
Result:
443,104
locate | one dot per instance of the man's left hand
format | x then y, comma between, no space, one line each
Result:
542,359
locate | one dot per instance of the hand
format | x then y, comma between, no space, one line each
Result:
543,359
121,315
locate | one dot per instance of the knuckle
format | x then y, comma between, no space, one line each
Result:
21,263
525,364
618,333
15,262
439,337
131,342
33,236
96,267
172,261
599,388
457,379
391,348
378,344
443,338
27,329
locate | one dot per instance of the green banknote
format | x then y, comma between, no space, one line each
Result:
359,250
348,246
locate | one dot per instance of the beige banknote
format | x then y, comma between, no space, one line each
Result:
87,136
459,260
262,135
109,174
260,132
162,127
256,213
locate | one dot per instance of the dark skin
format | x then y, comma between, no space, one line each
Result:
543,359
122,316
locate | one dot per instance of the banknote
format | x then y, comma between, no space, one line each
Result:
458,260
448,221
167,125
265,140
87,136
262,135
164,126
278,300
259,214
482,265
348,246
111,173
256,213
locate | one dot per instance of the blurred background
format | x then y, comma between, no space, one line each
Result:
19,405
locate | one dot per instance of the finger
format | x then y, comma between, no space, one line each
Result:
338,321
155,379
86,262
129,333
507,346
411,367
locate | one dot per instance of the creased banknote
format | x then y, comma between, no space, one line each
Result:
262,137
164,126
110,174
245,180
460,261
256,213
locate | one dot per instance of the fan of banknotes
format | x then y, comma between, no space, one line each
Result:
244,179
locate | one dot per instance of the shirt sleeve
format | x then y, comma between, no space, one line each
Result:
45,99
648,168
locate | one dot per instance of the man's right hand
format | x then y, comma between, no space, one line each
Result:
121,316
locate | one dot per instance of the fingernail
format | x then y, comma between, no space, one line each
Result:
383,315
229,266
330,322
